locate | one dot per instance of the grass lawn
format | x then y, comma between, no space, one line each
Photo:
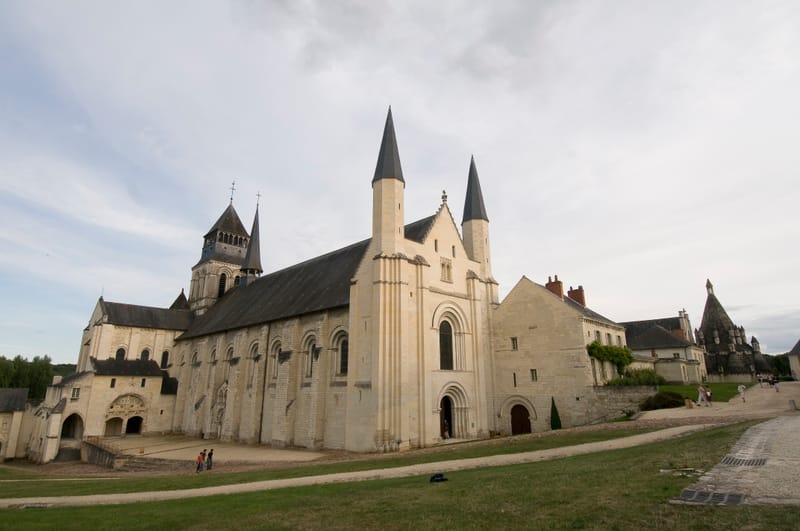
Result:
720,392
35,485
620,489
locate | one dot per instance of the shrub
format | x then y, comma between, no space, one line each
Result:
619,356
638,377
662,400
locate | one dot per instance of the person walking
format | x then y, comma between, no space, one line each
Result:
199,462
741,390
210,459
701,396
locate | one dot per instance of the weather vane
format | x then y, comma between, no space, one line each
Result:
233,188
258,198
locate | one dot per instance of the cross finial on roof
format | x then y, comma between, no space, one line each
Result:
233,189
444,196
258,198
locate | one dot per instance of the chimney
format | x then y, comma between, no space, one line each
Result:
577,295
556,286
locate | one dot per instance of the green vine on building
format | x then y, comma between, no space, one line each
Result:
621,357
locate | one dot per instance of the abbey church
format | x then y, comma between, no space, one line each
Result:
394,342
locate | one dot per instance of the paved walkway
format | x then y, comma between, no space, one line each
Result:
739,480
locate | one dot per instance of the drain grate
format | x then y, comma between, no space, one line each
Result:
735,461
710,498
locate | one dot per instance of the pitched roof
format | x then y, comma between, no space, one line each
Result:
795,349
228,222
145,316
13,399
388,166
114,367
635,328
180,302
252,260
588,313
714,315
474,207
317,284
655,336
419,229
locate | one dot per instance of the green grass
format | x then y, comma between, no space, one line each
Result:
56,486
621,489
720,392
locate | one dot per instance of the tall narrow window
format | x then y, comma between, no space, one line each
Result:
145,355
446,346
310,359
514,344
534,375
344,346
164,359
223,279
120,354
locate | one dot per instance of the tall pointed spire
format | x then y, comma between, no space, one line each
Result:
388,166
252,260
473,204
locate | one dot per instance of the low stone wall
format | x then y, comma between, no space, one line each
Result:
96,454
612,402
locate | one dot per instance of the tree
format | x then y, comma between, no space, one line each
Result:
36,375
555,419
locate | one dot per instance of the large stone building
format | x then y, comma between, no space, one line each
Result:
667,346
393,342
728,354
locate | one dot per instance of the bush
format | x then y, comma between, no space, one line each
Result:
662,400
619,356
555,418
638,377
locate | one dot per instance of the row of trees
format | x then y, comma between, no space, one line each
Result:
36,374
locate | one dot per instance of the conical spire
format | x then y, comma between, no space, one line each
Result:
473,204
252,260
388,166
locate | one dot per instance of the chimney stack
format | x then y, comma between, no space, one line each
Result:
556,286
577,295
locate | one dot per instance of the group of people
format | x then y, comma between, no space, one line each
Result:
772,380
205,460
703,396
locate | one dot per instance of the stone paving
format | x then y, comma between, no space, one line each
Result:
762,468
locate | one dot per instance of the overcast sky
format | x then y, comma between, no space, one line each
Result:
635,148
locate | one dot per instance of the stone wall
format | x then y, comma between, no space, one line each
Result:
613,402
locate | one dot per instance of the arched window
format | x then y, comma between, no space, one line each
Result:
310,352
445,346
213,358
344,347
229,354
254,351
164,359
145,355
236,281
194,358
120,354
274,357
223,280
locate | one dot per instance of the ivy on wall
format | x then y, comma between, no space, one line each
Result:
621,357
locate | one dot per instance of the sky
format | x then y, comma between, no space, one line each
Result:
634,148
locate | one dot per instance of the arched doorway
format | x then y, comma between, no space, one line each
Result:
72,427
520,420
134,425
446,418
113,427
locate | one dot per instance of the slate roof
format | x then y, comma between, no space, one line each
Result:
388,166
635,328
113,367
588,313
419,229
474,207
13,399
252,260
228,222
655,336
72,377
795,349
180,302
317,284
146,316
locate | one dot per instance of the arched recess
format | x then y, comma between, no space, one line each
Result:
113,427
453,407
450,335
125,409
520,419
311,350
508,413
340,342
72,427
274,358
